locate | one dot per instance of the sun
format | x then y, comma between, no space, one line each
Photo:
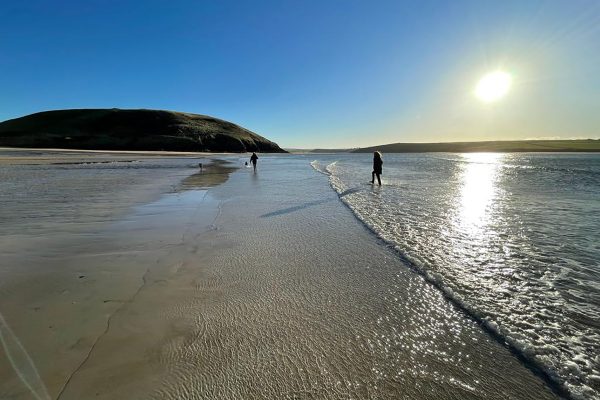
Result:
493,86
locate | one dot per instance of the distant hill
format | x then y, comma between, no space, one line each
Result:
584,145
115,129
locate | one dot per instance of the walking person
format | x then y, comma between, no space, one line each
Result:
377,167
253,160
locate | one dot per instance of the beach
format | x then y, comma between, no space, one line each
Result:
159,281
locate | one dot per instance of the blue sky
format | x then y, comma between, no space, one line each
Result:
314,74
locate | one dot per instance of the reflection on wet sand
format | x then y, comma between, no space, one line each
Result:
213,174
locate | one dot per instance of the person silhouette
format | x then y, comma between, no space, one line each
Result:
377,167
253,160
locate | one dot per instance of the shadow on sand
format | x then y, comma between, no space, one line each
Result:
308,204
295,208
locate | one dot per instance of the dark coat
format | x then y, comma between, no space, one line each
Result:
377,165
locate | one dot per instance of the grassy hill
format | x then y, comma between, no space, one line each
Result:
585,145
115,129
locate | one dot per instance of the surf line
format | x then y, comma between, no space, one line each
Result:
317,167
547,376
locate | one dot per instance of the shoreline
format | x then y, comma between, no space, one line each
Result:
494,332
235,284
34,156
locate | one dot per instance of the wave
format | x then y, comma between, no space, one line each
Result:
520,349
317,167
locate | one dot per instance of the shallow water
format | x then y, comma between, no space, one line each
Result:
68,191
295,299
263,287
512,238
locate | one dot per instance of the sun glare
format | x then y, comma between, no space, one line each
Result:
493,86
479,189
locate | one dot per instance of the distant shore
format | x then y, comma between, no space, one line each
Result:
497,146
27,156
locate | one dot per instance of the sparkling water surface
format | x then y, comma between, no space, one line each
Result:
512,238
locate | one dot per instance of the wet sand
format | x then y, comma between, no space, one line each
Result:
74,251
26,156
263,286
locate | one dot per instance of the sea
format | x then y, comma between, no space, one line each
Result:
511,239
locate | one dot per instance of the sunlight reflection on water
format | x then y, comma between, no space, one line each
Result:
511,237
478,190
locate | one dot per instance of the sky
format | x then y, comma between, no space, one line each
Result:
314,74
